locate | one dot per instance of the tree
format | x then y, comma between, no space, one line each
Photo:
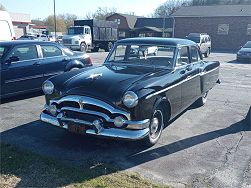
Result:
68,19
170,7
2,7
101,13
38,22
61,25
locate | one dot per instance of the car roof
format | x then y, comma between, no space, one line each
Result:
157,41
20,42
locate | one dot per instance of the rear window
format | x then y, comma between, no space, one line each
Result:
51,51
5,33
247,45
195,39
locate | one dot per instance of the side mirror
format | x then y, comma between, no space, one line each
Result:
12,59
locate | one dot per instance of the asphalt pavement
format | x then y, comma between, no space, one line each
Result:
208,146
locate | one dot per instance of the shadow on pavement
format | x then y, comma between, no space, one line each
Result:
79,150
21,97
239,62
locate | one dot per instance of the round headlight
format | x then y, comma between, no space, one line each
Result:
119,121
130,99
48,87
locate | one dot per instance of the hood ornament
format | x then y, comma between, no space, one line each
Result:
94,76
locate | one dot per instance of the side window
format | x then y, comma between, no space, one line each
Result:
50,51
24,53
87,31
194,54
182,58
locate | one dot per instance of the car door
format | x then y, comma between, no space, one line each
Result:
21,70
54,61
189,77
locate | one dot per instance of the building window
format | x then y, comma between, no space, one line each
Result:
223,29
249,29
121,33
118,21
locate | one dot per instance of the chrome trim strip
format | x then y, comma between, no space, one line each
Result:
168,88
111,132
24,78
77,121
121,134
92,101
205,72
53,73
187,79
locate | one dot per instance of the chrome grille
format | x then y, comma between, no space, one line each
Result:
90,106
67,41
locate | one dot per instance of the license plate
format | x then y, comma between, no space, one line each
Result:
76,129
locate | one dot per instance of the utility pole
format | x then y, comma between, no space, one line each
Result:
55,24
164,24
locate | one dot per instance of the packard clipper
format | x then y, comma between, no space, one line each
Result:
142,85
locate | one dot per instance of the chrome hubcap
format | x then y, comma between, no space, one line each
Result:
154,125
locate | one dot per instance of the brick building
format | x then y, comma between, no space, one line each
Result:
228,25
153,27
125,24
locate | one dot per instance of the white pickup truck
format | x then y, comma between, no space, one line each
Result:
91,34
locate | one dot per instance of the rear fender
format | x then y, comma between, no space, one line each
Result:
74,64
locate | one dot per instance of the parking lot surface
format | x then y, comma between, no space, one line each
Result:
206,146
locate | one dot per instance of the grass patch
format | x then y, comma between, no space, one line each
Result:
20,168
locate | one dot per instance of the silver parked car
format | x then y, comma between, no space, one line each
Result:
244,54
203,40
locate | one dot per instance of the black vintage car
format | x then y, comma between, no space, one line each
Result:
134,93
25,65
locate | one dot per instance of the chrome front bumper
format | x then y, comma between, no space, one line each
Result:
127,134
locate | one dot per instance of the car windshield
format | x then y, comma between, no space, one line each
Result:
146,55
195,39
247,45
75,30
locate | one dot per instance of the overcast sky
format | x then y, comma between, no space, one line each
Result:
42,8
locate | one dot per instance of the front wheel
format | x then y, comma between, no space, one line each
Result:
155,127
202,100
83,47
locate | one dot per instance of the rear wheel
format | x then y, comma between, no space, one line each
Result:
109,47
95,49
74,68
155,127
206,54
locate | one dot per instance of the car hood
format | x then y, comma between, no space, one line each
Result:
107,82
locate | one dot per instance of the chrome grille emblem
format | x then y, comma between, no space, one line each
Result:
81,103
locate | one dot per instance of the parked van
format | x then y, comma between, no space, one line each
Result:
203,40
7,32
